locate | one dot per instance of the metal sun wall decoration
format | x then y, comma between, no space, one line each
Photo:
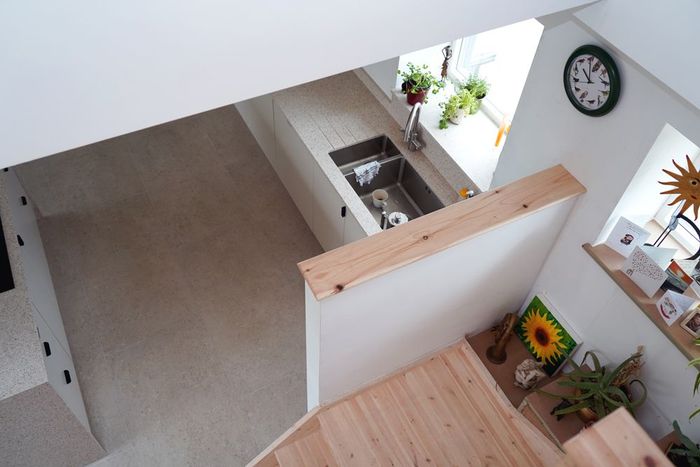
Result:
686,185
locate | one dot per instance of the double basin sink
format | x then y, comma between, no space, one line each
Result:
408,192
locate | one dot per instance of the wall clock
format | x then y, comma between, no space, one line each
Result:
592,81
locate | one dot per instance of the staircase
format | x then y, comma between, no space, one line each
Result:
444,410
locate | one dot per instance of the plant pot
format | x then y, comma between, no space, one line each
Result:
676,459
587,416
414,96
457,118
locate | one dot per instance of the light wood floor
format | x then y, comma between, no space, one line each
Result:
445,410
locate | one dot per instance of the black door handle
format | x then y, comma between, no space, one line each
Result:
20,241
47,348
23,199
66,374
343,211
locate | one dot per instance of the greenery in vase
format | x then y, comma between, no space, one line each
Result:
467,101
479,87
450,108
418,78
687,448
600,390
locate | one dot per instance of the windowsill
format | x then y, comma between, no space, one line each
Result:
611,262
471,144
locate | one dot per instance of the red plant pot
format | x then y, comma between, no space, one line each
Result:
413,98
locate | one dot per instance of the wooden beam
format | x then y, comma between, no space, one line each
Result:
334,271
615,441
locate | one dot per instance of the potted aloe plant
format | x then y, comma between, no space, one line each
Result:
684,451
599,392
417,81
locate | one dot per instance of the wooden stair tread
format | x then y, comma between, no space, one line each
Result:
309,451
444,410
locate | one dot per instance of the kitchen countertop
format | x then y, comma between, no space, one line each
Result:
338,111
21,361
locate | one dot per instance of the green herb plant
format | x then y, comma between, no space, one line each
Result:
599,389
418,78
479,87
450,108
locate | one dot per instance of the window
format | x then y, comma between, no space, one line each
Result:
501,56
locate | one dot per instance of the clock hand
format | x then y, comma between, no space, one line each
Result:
587,76
589,71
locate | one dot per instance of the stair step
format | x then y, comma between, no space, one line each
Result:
444,410
310,451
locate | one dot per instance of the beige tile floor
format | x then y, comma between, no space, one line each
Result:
174,253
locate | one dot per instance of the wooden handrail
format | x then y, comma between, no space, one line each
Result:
334,271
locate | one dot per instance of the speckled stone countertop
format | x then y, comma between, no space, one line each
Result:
338,111
21,362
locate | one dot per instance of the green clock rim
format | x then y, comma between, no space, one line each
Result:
613,74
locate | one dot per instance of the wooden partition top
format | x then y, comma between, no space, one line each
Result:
334,271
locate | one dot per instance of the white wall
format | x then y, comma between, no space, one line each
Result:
642,199
660,36
384,74
80,71
604,154
377,327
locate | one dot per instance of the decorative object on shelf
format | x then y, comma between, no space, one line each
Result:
591,80
682,274
644,272
417,81
497,352
599,392
625,236
691,323
685,453
528,373
686,186
545,337
673,223
447,54
673,305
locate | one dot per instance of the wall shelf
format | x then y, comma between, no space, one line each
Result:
612,262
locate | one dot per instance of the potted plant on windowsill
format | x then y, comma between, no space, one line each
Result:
478,87
417,81
455,108
599,392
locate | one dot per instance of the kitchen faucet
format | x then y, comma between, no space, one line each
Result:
410,133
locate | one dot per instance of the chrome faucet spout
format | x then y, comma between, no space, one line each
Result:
410,133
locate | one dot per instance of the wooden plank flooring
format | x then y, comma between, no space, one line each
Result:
444,410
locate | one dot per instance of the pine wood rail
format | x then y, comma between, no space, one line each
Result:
615,441
334,271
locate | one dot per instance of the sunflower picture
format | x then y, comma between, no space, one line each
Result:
544,336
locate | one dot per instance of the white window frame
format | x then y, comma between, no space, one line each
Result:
462,47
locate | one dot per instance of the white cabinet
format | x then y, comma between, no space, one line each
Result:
329,212
353,231
295,165
259,117
42,299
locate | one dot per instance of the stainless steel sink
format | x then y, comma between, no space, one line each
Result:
408,192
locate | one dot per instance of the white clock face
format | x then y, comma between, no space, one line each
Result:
589,81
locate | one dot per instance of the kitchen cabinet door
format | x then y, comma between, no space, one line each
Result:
295,165
353,229
329,212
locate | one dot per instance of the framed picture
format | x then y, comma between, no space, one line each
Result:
691,323
545,335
